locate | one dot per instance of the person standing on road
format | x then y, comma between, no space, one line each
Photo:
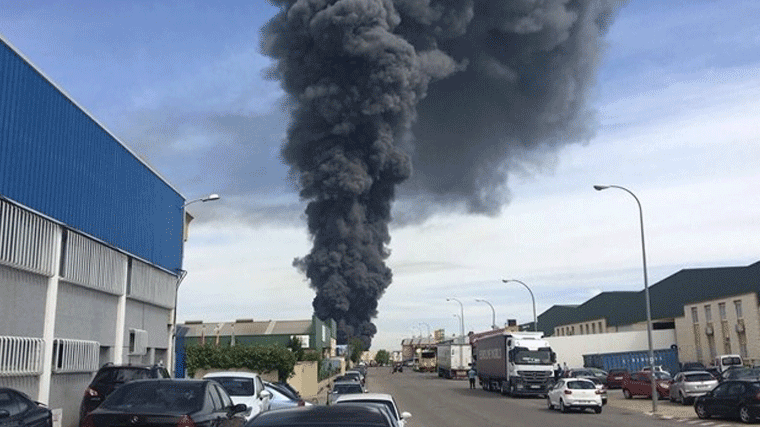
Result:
471,374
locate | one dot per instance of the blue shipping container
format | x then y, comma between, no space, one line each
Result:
633,360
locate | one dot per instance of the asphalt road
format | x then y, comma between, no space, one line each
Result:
438,402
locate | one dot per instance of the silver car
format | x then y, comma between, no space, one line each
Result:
686,386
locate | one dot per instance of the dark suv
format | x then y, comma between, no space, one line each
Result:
111,376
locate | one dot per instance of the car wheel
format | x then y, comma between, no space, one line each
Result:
744,415
627,393
562,406
549,403
598,409
701,411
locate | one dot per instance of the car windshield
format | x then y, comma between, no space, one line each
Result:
698,377
347,388
123,375
731,361
747,373
156,397
581,385
236,386
661,375
533,357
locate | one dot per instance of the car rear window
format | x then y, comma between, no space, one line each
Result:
347,388
698,377
236,386
157,397
581,385
130,374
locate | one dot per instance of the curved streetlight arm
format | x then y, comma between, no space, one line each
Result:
209,198
461,319
535,321
493,312
646,284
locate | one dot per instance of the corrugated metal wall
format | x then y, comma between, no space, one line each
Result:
57,160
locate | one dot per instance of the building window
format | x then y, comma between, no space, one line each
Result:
713,350
708,313
587,329
601,331
722,310
727,346
593,328
694,315
572,329
738,306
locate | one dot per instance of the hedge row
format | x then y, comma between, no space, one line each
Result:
257,358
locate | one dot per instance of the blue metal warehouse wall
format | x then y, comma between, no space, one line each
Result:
57,160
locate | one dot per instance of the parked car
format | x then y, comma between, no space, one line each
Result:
601,374
168,402
616,376
283,397
18,410
578,373
344,387
354,415
688,385
109,377
380,398
574,393
656,368
740,373
246,388
692,366
599,386
355,375
639,384
731,399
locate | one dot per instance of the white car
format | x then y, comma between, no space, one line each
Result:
244,387
574,393
380,398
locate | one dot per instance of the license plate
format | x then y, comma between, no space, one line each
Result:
535,386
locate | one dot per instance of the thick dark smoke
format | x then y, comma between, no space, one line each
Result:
482,82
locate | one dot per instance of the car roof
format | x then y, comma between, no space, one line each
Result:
318,415
231,374
365,396
569,380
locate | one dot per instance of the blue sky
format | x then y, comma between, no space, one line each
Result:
678,100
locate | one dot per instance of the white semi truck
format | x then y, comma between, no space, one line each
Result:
454,358
515,363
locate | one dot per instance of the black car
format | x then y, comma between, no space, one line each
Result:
731,399
740,373
354,415
692,366
168,403
18,410
109,377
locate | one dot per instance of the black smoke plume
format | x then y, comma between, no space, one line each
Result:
465,87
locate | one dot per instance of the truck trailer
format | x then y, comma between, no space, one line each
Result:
454,358
515,363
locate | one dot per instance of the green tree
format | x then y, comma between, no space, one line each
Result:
383,357
296,346
356,347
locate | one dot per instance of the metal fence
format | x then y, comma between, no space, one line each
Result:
20,356
75,355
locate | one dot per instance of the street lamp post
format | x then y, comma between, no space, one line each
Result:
535,320
493,312
461,319
427,326
180,277
646,288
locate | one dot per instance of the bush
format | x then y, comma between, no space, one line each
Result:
258,358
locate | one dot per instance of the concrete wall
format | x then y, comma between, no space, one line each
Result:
306,379
694,343
85,314
66,391
22,302
571,349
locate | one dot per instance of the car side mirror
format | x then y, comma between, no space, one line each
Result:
4,414
239,408
265,394
405,415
